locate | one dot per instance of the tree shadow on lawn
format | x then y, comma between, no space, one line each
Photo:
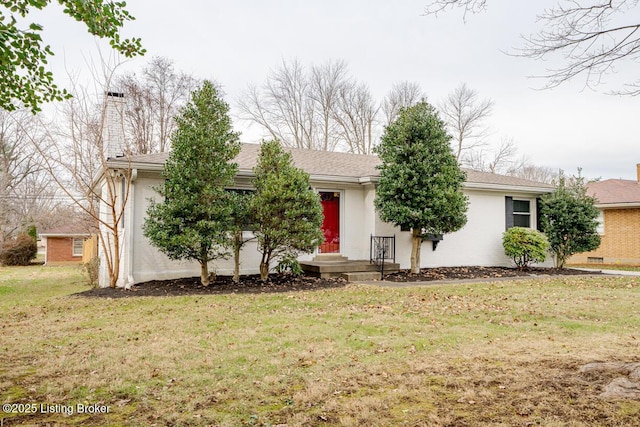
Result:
251,284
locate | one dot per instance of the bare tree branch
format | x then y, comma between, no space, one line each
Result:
587,38
465,114
282,106
26,195
469,6
498,160
152,100
76,160
401,95
327,82
139,115
298,106
591,36
356,116
523,168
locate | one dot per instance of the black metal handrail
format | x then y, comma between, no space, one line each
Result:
381,249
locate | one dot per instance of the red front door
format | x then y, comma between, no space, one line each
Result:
331,223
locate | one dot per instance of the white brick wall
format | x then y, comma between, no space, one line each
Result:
113,130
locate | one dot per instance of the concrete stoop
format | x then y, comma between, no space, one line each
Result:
328,266
360,276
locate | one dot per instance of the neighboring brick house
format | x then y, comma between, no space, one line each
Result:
619,204
64,244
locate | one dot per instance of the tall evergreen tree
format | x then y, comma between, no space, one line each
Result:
193,220
570,219
420,185
287,213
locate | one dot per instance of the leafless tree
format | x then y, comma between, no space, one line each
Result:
465,114
502,156
402,94
139,115
26,195
504,160
470,6
299,106
498,160
327,82
356,116
76,161
153,98
591,36
283,106
170,90
322,107
524,169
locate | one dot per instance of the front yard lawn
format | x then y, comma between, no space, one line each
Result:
501,354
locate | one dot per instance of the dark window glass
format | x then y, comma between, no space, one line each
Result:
521,220
521,206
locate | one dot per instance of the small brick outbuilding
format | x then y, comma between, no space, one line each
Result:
64,244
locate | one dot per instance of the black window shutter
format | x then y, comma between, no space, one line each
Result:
508,212
539,214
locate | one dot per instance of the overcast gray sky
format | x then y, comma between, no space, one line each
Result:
237,42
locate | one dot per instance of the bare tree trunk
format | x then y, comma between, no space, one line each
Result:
264,265
236,256
204,273
416,243
115,275
264,271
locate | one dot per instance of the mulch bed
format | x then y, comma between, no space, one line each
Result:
250,284
286,283
461,273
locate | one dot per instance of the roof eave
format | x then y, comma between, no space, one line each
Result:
119,164
629,205
369,179
248,173
507,188
64,234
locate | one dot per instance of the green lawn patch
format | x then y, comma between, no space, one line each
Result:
503,353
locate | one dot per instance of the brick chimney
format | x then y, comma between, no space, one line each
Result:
113,130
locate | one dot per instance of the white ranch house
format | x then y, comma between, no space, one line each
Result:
346,184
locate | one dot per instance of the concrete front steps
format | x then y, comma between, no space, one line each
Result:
361,276
335,265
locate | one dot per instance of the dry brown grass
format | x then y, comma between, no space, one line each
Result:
499,354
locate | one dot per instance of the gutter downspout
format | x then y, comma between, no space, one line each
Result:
129,231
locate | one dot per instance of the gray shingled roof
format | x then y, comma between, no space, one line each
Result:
76,229
337,164
615,191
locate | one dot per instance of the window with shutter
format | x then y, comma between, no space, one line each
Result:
517,213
